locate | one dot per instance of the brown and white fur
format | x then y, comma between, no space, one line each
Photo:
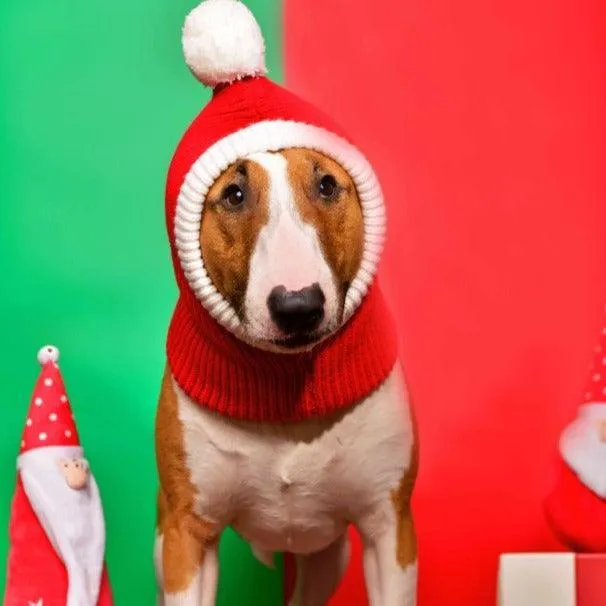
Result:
286,487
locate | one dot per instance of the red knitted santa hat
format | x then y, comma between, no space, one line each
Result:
224,48
247,114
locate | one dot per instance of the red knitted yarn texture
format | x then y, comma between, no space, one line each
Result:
220,372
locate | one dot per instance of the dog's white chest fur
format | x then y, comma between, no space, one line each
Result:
295,487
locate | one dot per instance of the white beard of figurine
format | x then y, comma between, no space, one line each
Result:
583,447
72,518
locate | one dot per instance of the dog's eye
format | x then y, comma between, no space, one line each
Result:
328,187
233,196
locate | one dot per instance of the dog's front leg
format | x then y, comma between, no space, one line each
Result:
319,574
390,555
188,561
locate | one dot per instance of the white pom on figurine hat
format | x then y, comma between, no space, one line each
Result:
222,42
48,353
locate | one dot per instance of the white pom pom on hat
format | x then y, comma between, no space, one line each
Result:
48,353
222,42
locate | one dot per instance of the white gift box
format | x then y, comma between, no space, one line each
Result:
552,579
531,579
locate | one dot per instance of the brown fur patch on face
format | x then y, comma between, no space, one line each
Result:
229,231
406,546
186,534
337,219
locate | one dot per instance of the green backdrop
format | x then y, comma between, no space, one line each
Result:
94,97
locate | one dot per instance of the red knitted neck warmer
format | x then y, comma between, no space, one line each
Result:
222,373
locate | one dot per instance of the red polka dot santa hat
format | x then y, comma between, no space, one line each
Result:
50,421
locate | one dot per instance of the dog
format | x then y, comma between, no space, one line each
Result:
274,247
290,487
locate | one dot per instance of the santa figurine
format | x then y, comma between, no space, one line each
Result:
576,508
57,530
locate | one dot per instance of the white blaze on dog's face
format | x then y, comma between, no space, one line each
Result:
282,238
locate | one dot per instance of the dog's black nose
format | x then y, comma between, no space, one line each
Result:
298,311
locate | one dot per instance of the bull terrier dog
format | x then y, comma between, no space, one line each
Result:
283,409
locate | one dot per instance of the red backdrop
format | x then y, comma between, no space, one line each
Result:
487,124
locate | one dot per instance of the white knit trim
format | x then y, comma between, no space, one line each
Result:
270,136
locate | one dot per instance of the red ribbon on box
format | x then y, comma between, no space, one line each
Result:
591,579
